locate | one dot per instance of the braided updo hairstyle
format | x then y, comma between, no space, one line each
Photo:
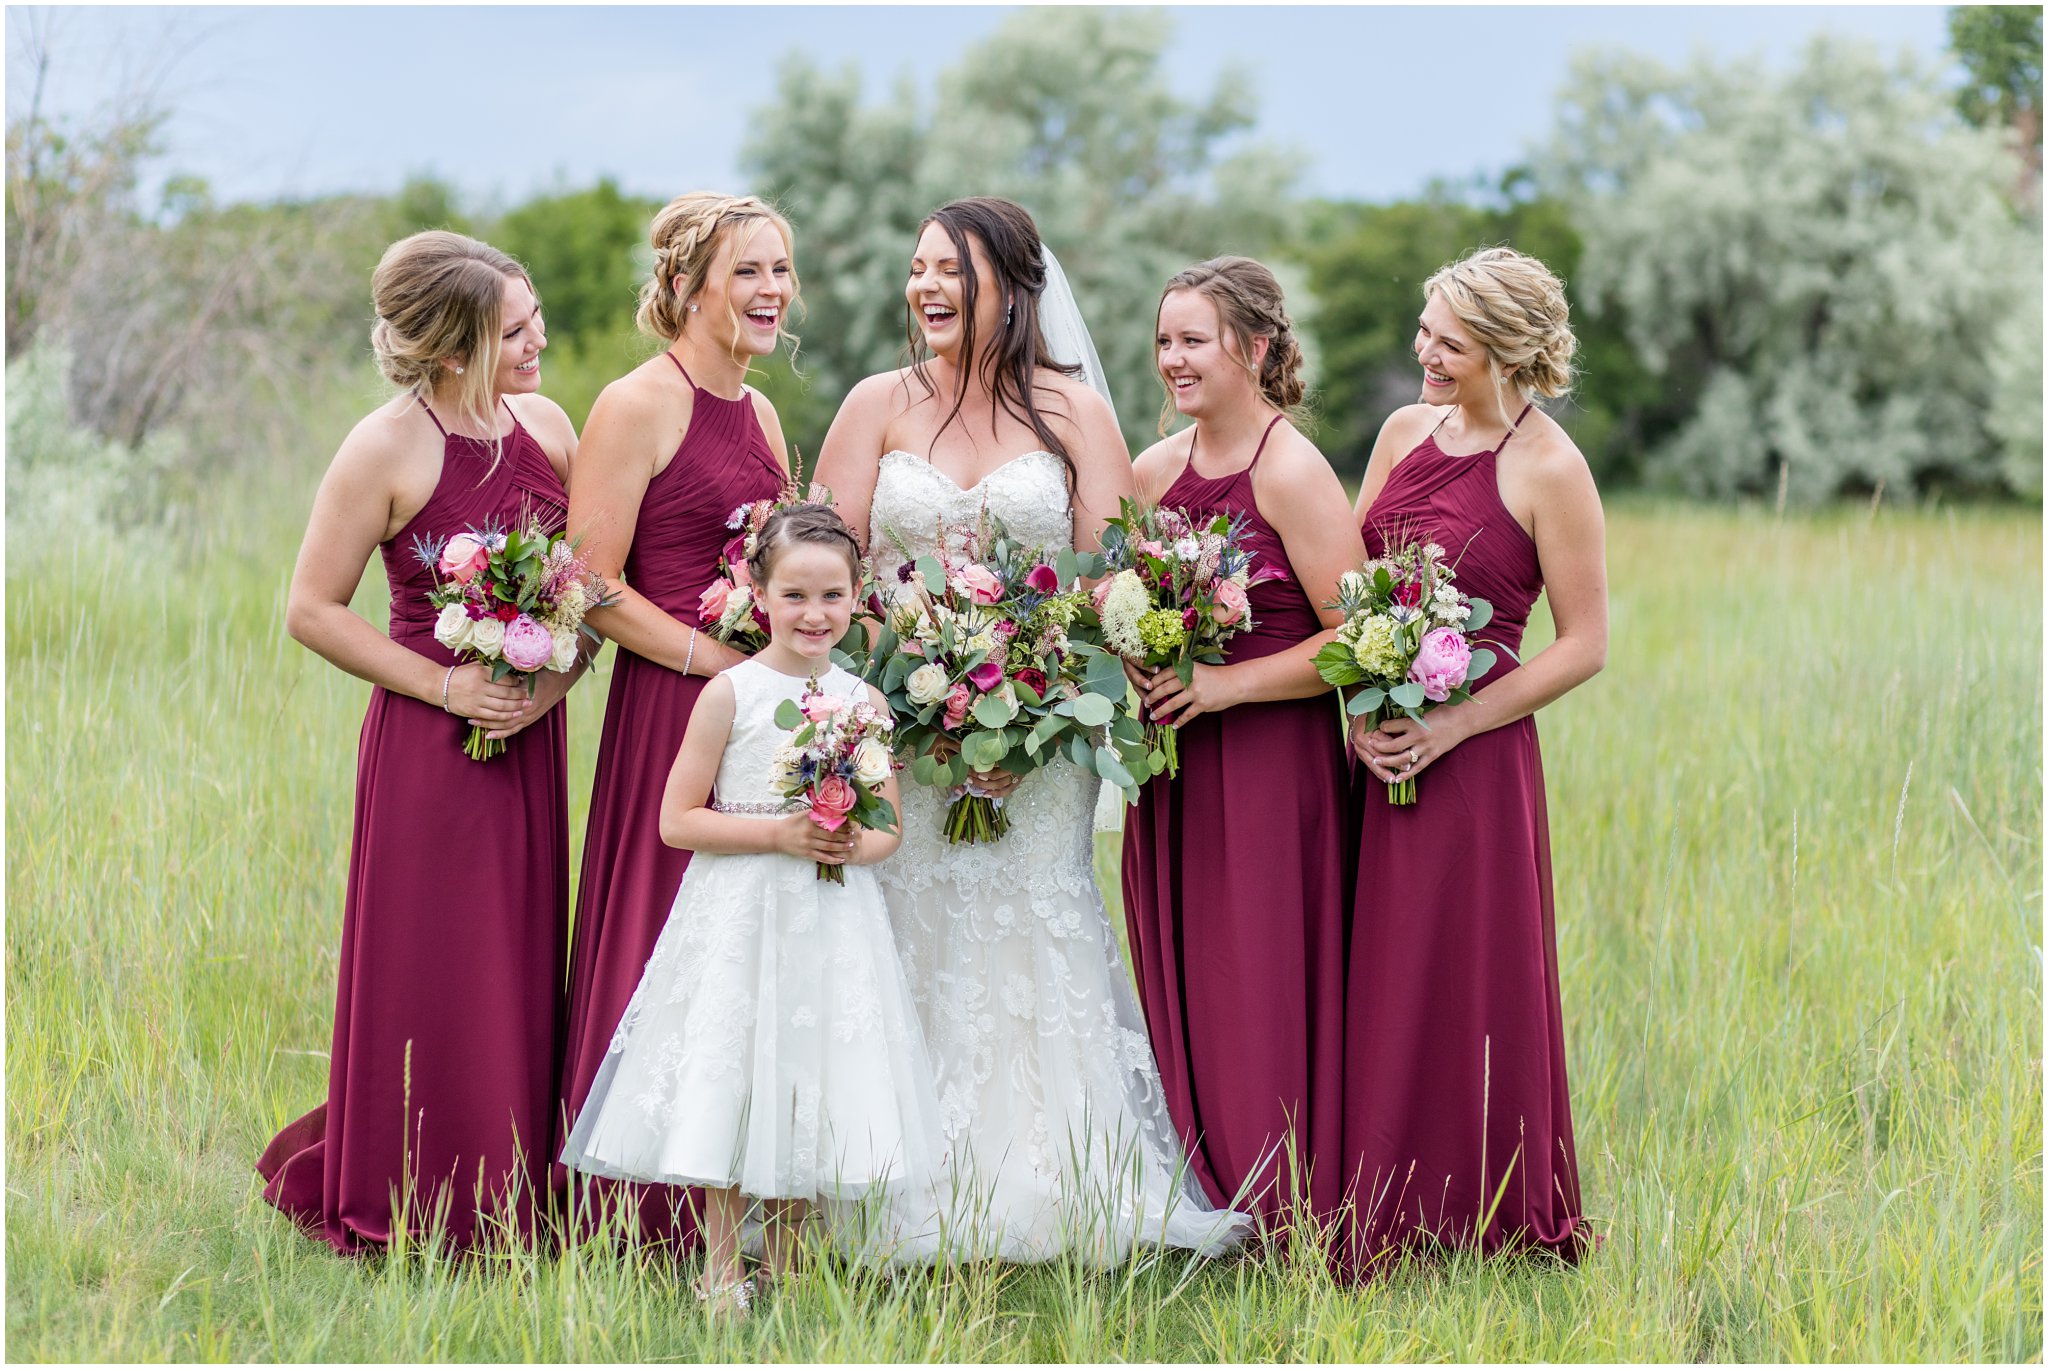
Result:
1514,308
686,236
440,297
1250,304
817,524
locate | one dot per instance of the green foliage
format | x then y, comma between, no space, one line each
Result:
1813,263
62,476
2000,47
1071,112
588,253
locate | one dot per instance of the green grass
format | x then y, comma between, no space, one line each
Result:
1796,826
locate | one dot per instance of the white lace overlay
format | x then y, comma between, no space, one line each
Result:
772,1042
1056,1131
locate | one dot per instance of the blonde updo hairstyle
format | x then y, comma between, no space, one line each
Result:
1249,304
440,297
686,236
1515,308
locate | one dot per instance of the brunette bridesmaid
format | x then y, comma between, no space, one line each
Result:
440,1089
1457,1119
671,449
1235,872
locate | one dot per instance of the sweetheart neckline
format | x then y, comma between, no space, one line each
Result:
967,489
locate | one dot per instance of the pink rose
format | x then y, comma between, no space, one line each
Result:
1441,663
1150,548
528,645
831,801
985,677
1100,594
736,567
910,646
956,705
822,706
982,584
1043,579
1231,602
711,603
463,557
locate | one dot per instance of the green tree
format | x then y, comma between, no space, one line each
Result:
1813,263
2000,47
1068,111
587,251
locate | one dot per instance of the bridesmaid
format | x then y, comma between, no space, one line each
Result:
441,1080
1235,872
1455,1092
671,449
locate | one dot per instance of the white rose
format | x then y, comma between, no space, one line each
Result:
451,629
927,684
487,637
564,658
981,641
871,761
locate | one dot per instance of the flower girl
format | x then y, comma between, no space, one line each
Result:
771,1052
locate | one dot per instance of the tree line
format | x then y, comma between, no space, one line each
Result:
1803,283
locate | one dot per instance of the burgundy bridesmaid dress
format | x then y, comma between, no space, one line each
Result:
1235,897
630,876
1455,1062
440,1090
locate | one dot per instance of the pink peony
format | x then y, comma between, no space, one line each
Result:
528,645
463,557
1231,602
1043,579
956,705
1441,663
831,801
982,584
711,603
985,677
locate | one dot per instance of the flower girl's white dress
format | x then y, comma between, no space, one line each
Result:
772,1043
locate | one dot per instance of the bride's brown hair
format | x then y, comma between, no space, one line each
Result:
1016,254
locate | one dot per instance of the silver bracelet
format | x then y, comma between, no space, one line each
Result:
445,681
691,654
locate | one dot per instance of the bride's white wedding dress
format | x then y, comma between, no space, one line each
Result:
1056,1130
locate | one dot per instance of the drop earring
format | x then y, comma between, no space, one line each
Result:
1009,310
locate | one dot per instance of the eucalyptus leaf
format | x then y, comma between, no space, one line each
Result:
1407,696
1482,614
993,710
1092,710
925,769
1111,768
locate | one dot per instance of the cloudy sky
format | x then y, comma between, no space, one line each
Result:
506,100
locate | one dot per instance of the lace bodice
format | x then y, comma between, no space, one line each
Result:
746,779
913,498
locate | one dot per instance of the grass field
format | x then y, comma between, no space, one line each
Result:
1797,831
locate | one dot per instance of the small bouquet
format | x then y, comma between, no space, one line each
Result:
727,609
1176,592
513,599
834,762
975,650
1405,639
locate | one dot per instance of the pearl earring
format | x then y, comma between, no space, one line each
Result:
693,308
458,370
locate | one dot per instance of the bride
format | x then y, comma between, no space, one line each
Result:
1057,1135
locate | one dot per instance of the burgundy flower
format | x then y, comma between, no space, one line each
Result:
1408,594
986,676
1188,618
1044,579
507,612
1034,678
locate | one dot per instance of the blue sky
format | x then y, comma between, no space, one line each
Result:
506,100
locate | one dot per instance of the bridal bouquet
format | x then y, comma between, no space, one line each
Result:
1178,589
513,599
834,762
1406,639
727,609
974,654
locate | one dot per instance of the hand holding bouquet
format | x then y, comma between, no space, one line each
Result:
835,762
975,655
1405,639
512,599
1177,591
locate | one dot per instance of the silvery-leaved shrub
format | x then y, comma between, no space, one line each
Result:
64,481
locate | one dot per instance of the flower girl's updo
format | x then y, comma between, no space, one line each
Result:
813,523
1515,308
